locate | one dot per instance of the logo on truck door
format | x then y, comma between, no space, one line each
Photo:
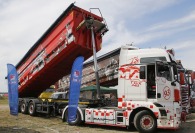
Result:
131,72
166,92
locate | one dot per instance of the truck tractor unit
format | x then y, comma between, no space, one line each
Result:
190,79
149,93
187,89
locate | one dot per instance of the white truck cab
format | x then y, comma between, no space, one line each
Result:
148,93
147,78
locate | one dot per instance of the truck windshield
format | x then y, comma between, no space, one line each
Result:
152,59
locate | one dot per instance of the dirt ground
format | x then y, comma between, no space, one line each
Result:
27,124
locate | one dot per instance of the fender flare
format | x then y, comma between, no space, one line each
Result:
79,109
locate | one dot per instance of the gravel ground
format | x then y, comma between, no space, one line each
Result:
27,124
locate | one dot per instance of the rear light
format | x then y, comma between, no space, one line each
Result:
176,95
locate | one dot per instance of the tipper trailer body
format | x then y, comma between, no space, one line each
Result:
51,57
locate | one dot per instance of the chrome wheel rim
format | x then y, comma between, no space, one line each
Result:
147,122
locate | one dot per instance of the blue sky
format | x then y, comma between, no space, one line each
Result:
146,23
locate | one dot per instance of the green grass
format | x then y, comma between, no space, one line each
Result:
3,100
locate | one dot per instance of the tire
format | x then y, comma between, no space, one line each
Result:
145,122
76,122
23,107
32,108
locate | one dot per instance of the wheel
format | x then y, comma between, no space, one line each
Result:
32,108
77,121
145,122
23,107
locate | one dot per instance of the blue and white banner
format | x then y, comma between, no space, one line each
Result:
12,77
75,84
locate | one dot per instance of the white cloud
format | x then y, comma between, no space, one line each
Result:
186,21
181,45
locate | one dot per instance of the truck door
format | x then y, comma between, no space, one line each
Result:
164,88
134,82
136,86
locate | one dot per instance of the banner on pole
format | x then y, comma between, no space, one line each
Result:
74,91
12,77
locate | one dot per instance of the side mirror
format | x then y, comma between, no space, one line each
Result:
173,83
182,81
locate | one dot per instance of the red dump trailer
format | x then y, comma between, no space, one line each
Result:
51,57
